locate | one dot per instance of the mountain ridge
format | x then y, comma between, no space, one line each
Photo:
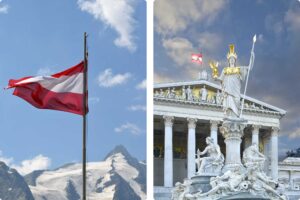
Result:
119,176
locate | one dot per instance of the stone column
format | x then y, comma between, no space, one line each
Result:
255,134
291,179
168,157
274,153
266,142
191,149
214,131
232,131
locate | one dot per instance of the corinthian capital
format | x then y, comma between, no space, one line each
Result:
214,124
255,128
192,122
168,120
275,131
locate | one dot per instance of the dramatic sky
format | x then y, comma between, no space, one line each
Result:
183,27
44,37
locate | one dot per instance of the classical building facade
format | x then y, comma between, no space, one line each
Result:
185,113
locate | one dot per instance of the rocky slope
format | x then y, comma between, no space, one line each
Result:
13,185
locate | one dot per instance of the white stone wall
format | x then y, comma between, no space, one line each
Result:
289,173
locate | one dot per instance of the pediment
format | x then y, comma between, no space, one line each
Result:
172,92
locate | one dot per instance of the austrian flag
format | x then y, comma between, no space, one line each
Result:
197,58
61,91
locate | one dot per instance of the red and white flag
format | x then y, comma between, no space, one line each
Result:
197,57
62,91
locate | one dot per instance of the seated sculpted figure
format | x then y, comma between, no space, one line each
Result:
214,160
253,158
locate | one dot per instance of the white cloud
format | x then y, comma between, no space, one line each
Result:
108,79
176,15
295,133
39,162
274,24
45,71
160,78
131,128
137,108
3,8
209,42
179,49
142,85
7,161
117,14
94,100
292,18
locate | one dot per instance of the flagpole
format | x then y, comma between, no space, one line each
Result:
84,120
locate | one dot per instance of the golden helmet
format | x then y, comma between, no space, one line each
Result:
231,52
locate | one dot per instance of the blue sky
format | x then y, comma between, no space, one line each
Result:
44,37
210,26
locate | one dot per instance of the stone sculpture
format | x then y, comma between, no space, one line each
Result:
213,162
173,93
181,191
229,182
203,92
250,180
219,98
253,158
156,94
231,79
161,93
168,93
183,94
189,94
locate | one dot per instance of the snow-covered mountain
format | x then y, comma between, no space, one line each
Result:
13,185
118,177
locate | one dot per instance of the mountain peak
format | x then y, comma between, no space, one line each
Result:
119,149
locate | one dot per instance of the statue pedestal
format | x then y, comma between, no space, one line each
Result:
200,183
232,130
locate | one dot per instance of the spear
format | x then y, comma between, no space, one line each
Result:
249,68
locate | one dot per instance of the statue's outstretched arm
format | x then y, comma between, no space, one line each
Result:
204,151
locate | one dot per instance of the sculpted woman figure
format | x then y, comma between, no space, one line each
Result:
214,160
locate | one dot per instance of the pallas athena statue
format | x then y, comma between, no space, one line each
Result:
231,79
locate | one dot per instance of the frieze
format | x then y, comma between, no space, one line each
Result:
200,95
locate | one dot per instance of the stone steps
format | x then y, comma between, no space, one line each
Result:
162,193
